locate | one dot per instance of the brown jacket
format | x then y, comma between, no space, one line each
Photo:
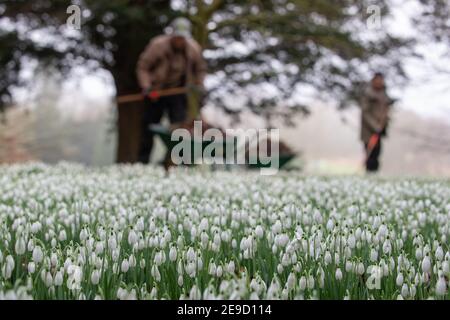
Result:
375,107
154,63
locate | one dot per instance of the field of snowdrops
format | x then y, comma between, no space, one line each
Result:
130,232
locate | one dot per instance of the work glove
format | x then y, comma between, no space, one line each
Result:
150,93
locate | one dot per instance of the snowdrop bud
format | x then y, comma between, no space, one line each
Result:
338,274
155,273
280,268
212,268
259,231
112,243
37,255
405,291
291,281
373,255
58,279
348,266
426,264
439,254
173,254
441,287
124,266
20,246
399,279
31,267
219,271
95,277
231,267
180,281
360,269
302,283
132,237
48,280
327,258
62,235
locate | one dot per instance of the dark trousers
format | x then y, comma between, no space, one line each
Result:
372,162
175,106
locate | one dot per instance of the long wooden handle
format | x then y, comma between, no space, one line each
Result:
139,97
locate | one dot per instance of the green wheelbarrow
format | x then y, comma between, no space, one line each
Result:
225,146
200,145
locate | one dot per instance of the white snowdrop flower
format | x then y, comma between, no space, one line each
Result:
20,246
37,255
58,279
446,267
190,254
95,277
112,243
48,280
132,237
399,279
8,267
419,254
212,268
348,266
280,269
327,258
132,261
360,269
351,241
173,254
387,247
180,281
155,273
231,267
259,231
373,255
31,267
204,239
412,291
441,287
439,253
405,291
199,263
302,283
83,235
35,227
233,243
99,248
337,258
338,274
62,235
158,258
426,264
330,225
347,252
124,267
75,277
195,293
219,271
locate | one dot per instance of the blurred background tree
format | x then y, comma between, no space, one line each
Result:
264,46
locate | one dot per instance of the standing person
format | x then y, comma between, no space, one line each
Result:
375,107
169,61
